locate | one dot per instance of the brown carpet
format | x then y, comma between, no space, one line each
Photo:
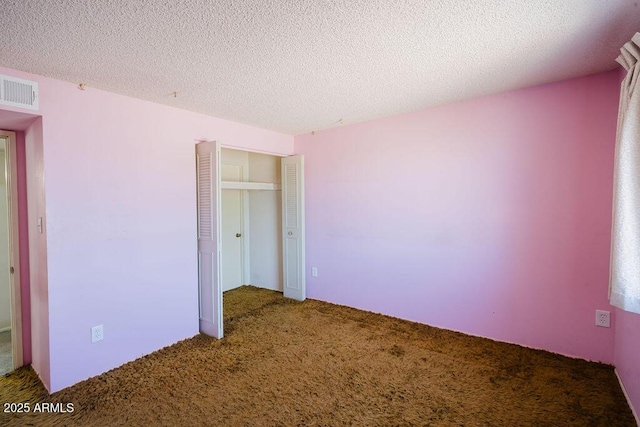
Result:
289,363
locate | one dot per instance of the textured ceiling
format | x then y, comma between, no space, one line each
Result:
297,66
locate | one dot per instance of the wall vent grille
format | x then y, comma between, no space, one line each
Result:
19,93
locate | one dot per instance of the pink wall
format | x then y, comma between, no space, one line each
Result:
120,224
490,217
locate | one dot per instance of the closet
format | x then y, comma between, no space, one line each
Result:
250,217
251,220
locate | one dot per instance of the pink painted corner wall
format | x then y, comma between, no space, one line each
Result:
490,217
120,223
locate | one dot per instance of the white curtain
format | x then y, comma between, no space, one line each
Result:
624,281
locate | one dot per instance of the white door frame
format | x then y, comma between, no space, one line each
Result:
14,248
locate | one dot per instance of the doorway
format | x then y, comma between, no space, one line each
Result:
269,230
10,300
251,220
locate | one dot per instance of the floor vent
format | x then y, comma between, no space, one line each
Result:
19,93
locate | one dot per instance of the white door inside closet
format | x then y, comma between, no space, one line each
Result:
293,228
232,230
209,245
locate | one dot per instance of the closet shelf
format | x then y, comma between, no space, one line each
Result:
236,185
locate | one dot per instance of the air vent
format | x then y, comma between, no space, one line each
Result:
18,92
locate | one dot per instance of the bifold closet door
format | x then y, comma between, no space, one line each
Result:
293,228
209,245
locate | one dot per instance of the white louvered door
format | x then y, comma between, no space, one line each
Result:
293,228
208,203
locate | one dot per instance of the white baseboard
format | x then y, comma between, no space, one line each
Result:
8,328
624,390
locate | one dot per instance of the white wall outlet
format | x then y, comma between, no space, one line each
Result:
603,318
97,333
314,271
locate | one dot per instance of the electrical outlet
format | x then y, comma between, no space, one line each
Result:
603,318
314,271
97,333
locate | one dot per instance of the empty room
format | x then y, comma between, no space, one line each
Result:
320,213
